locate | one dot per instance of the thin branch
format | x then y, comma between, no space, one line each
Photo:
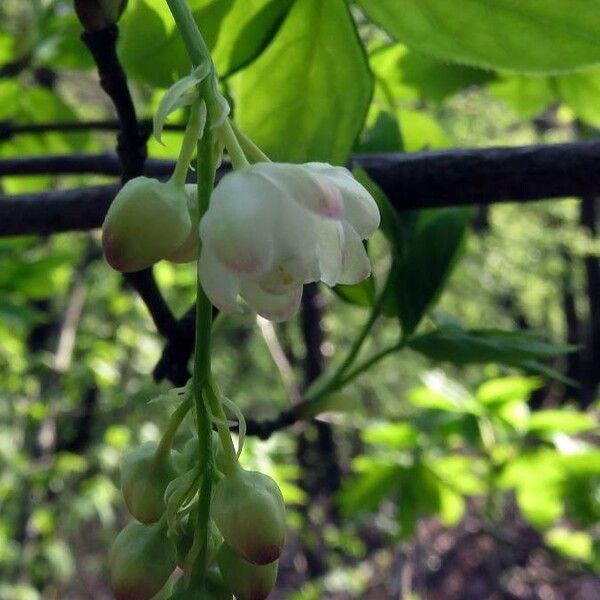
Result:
10,129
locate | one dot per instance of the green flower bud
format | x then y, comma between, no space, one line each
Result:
249,511
144,477
147,221
140,561
246,580
214,589
99,14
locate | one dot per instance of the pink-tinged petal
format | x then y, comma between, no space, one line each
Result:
360,209
356,263
219,283
317,194
275,307
240,224
330,246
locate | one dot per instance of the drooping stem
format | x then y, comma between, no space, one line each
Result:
231,142
249,147
175,421
188,146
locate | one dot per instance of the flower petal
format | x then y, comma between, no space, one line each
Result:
356,263
360,208
240,224
219,283
317,194
330,247
275,307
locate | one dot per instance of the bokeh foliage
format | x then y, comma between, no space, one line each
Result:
474,412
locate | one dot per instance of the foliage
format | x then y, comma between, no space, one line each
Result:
314,80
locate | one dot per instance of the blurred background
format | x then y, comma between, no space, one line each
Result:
427,480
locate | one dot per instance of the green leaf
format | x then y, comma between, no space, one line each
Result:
517,35
247,29
359,294
369,488
394,435
574,544
506,389
428,262
148,30
528,96
383,136
435,80
421,131
461,346
580,92
315,107
551,421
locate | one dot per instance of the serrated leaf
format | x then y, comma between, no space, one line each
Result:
314,108
517,35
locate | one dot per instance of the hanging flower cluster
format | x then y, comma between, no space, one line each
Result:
272,227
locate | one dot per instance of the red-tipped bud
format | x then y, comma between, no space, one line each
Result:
145,476
249,511
141,560
147,221
246,580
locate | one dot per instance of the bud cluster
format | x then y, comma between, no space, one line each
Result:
244,540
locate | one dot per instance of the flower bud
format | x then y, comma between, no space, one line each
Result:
147,221
95,15
246,580
249,511
144,477
140,561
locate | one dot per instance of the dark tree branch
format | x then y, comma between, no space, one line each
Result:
411,181
131,142
132,153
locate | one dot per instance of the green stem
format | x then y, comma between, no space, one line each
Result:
367,364
174,422
188,146
231,142
216,408
201,376
188,29
324,386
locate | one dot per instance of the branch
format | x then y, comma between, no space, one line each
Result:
411,181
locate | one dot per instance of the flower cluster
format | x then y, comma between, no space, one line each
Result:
273,227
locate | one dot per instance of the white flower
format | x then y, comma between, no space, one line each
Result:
272,227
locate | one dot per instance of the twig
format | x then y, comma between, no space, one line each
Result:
9,129
281,361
